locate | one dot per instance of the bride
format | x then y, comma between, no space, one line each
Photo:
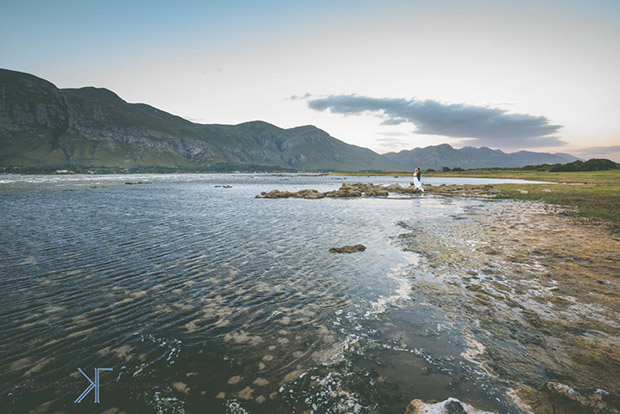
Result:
416,180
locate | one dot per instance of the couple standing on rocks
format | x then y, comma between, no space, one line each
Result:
416,179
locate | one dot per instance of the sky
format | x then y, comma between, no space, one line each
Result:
538,75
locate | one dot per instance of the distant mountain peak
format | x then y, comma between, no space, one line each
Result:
97,92
444,155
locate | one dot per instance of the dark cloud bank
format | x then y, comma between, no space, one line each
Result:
477,125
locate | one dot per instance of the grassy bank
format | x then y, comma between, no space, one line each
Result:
601,177
594,194
596,177
594,201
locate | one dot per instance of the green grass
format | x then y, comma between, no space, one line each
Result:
598,202
598,177
594,194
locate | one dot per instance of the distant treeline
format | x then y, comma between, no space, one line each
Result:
595,164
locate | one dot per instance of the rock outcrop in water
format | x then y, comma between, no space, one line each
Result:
310,194
348,249
449,406
375,190
346,190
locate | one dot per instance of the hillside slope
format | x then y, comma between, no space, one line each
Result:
44,127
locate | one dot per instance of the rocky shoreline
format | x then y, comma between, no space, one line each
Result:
538,296
375,190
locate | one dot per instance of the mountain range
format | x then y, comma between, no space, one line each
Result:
44,128
439,156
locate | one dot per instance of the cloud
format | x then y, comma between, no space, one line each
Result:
392,134
598,151
611,152
296,97
475,125
393,143
195,120
390,140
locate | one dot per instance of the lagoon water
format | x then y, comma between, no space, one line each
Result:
203,299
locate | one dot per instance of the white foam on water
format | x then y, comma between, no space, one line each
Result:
234,407
173,345
403,289
164,403
331,396
446,407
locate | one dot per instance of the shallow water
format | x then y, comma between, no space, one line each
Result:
205,299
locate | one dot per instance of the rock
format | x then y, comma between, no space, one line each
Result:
394,188
346,190
578,400
310,194
449,406
546,190
181,387
523,191
376,193
245,394
348,249
261,382
397,188
227,186
235,380
275,194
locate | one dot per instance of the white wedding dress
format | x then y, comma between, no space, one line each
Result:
417,184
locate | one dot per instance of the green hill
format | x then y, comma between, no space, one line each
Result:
43,128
